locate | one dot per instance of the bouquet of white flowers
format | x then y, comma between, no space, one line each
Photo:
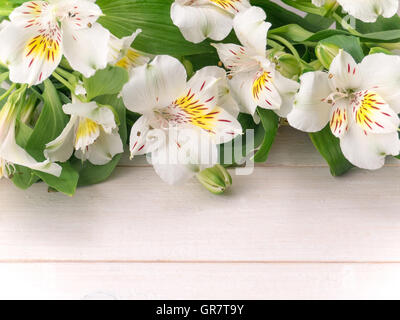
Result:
200,85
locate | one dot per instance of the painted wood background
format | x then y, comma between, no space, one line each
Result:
290,230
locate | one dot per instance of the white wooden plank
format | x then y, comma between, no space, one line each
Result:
199,281
276,214
291,148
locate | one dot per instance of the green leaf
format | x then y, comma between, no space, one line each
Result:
270,122
349,44
329,147
66,183
50,124
246,144
106,82
279,16
159,36
382,24
92,174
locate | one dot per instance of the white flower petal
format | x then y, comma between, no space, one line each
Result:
166,163
381,73
143,139
30,13
264,91
287,89
119,47
251,29
62,148
225,99
339,122
103,150
232,6
345,71
242,88
373,114
370,10
368,151
226,127
78,14
199,23
13,153
310,113
91,110
31,56
86,49
155,85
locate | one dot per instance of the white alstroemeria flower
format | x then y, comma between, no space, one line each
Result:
182,123
255,81
123,55
202,19
11,153
41,32
92,132
361,102
366,10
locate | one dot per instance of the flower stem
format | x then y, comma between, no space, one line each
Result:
63,81
287,44
7,93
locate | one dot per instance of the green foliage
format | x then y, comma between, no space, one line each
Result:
329,147
106,82
270,123
159,35
90,174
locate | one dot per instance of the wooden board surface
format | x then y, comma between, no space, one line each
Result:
290,230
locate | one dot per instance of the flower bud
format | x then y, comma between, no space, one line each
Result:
326,52
216,179
287,65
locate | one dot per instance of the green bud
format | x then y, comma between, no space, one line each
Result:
216,179
326,52
28,108
287,65
380,50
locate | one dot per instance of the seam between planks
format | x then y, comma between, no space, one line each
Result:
67,261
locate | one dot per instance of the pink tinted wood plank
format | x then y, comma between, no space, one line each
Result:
199,281
276,214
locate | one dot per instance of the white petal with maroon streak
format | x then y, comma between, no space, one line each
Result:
31,56
344,70
339,122
373,114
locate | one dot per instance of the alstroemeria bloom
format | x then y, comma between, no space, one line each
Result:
361,103
366,10
182,123
255,81
201,19
10,152
92,132
41,32
123,55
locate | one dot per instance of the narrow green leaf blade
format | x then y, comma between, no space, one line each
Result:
329,147
270,122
